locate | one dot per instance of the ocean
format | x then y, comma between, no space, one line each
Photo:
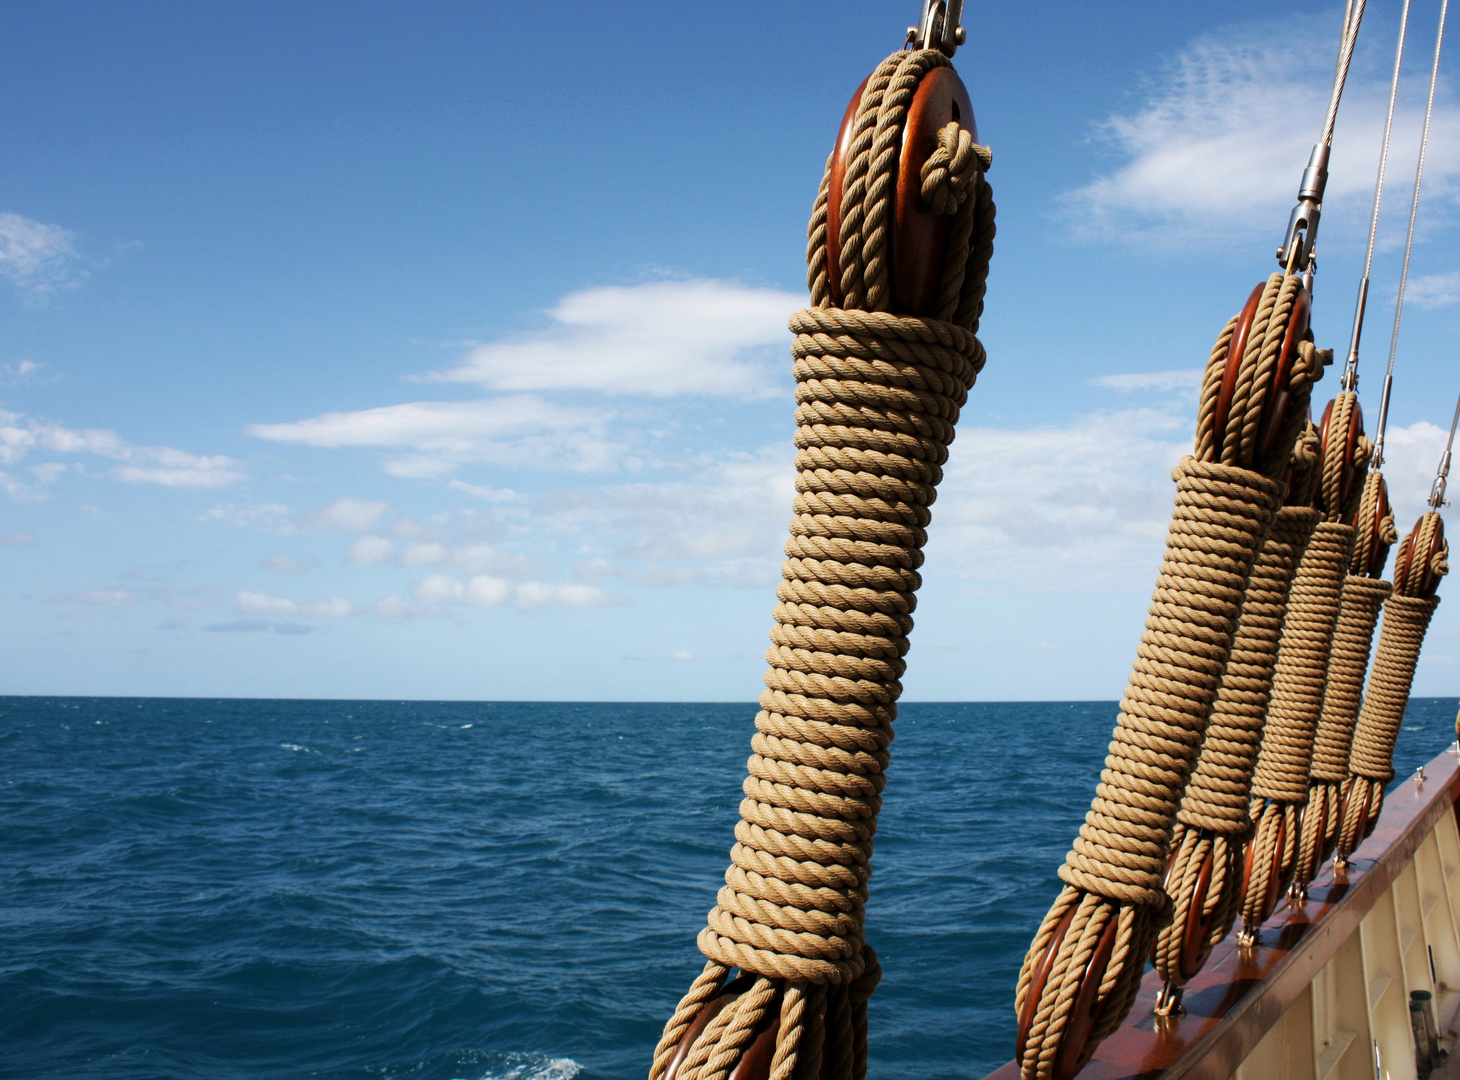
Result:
231,889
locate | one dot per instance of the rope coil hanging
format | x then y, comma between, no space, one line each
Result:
1280,786
1364,593
1423,559
1212,825
1084,965
878,396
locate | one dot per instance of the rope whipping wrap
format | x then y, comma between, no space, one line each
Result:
1280,788
877,398
1225,503
1407,616
1213,822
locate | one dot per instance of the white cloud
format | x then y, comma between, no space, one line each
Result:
346,515
425,554
17,539
23,373
660,339
21,436
370,550
281,563
36,258
722,521
1411,456
484,590
112,598
1215,151
270,517
440,436
258,603
261,626
396,608
490,494
485,559
1434,290
1161,381
1075,506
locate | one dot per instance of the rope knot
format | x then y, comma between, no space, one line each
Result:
1306,448
1308,365
1363,450
1388,531
950,171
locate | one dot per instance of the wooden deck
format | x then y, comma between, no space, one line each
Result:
1243,995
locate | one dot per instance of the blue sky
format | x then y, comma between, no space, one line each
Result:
433,350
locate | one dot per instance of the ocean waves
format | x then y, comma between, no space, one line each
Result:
488,891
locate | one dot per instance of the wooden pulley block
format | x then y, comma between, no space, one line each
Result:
1279,398
1194,948
1429,580
1319,810
1365,794
1349,473
755,1062
1374,559
1076,1048
919,236
1275,884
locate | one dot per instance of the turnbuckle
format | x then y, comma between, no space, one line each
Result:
941,27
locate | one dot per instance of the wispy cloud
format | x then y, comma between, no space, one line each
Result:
659,339
258,603
36,258
22,436
438,437
346,515
1434,290
469,558
486,591
259,626
582,395
1214,151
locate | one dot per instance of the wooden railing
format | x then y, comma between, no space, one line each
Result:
1242,993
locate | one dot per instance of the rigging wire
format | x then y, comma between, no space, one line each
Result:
1353,15
1424,142
1351,364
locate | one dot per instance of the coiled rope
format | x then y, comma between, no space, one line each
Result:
877,397
1407,616
1280,787
1113,902
1364,593
1213,825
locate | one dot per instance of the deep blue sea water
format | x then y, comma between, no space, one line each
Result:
231,889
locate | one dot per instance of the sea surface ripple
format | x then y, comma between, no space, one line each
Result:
486,891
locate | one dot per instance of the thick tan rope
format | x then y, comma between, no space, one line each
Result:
1348,660
1280,788
877,397
1407,616
1225,503
1213,822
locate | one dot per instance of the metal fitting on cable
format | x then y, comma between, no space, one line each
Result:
1442,475
1302,234
941,27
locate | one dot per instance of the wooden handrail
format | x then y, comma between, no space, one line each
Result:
1241,993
